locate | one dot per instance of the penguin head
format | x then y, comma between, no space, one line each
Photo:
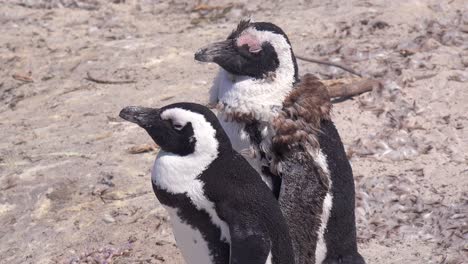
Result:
257,50
181,128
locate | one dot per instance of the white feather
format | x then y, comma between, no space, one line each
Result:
269,259
321,248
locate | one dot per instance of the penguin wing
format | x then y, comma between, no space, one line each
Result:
249,243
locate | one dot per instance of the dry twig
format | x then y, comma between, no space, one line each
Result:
142,148
343,89
107,197
203,7
350,87
89,77
22,78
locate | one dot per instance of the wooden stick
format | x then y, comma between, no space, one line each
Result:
345,68
89,77
350,87
203,7
142,148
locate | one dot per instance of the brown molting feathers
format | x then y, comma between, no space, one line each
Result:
303,109
235,116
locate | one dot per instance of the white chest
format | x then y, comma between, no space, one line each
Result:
261,98
179,175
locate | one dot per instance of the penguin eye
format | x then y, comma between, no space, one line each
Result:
245,52
177,126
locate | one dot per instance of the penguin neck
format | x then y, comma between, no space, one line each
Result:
175,173
260,98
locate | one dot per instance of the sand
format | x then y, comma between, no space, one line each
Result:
71,192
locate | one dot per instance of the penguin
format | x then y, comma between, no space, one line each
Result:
281,123
220,209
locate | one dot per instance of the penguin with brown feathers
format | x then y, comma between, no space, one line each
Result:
281,123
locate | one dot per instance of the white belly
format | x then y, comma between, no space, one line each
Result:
190,241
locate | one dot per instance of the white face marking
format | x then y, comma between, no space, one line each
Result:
179,174
190,241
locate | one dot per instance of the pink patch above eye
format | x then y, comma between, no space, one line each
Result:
251,41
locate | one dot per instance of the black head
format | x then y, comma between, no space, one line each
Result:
253,49
179,128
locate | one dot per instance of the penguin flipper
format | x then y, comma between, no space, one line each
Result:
249,244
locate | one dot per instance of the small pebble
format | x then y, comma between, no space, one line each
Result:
108,219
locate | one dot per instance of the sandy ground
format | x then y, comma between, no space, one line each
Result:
72,193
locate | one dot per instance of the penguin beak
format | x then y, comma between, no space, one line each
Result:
213,52
143,116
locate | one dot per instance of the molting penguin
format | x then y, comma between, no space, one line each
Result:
282,125
220,209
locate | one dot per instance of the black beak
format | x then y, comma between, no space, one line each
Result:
142,116
215,50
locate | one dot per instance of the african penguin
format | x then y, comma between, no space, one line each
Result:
220,209
282,125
